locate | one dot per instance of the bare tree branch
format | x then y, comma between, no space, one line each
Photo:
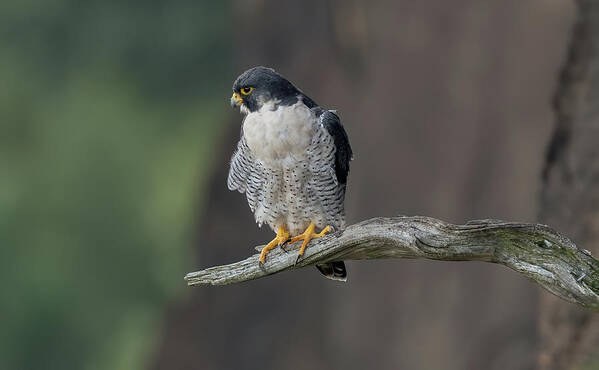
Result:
536,251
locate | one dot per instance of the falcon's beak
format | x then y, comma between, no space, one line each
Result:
236,100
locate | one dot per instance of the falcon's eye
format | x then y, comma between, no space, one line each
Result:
247,90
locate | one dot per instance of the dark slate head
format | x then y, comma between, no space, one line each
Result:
260,85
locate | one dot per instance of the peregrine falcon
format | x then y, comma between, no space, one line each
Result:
291,162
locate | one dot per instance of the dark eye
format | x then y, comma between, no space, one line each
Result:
246,90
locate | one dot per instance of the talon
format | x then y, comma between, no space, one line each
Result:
284,244
281,238
306,236
261,266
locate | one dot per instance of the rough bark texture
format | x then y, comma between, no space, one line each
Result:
569,337
534,250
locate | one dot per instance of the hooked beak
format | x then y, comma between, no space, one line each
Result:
236,100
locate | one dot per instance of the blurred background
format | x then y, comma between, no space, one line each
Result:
115,137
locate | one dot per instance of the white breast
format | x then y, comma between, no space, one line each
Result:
279,137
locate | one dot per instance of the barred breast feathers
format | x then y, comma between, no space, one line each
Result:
292,163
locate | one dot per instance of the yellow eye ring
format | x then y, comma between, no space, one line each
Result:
246,90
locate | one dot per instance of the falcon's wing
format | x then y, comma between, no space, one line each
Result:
246,175
329,156
343,153
331,195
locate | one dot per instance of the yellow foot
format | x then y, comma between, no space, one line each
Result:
280,239
308,235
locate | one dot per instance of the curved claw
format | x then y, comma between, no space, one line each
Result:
284,244
281,238
261,266
308,235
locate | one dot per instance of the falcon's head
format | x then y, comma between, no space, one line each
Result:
259,86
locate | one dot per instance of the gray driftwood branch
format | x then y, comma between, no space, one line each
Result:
536,251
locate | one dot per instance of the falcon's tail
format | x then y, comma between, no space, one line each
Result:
333,270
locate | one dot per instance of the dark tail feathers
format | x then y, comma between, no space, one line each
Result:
333,270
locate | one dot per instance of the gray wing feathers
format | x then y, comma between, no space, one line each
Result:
260,184
324,182
246,174
343,154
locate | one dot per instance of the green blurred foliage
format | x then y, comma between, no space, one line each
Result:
108,111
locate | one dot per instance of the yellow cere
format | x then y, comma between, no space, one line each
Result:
237,98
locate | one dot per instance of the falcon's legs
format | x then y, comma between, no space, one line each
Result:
308,235
280,239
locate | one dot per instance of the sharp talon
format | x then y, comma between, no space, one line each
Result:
261,266
306,236
284,244
281,238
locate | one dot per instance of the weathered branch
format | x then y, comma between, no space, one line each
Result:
536,251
